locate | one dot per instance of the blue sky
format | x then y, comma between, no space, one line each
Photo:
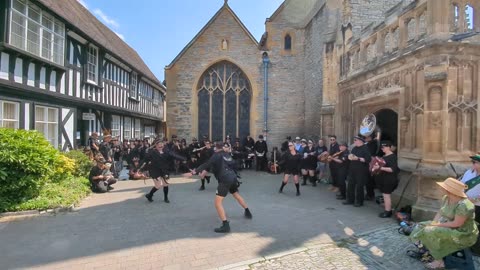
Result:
159,30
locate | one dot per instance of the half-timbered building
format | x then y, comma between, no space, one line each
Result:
65,74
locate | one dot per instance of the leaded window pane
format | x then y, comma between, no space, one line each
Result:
203,113
218,91
217,115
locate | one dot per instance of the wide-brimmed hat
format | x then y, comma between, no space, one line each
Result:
476,157
454,186
297,138
303,140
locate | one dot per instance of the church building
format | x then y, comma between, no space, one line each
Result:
322,65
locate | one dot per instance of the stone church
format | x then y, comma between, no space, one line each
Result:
322,65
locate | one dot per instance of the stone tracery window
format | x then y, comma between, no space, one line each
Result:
455,18
411,25
422,26
469,23
224,95
395,38
388,42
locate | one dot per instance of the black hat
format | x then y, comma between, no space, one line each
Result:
260,136
194,139
289,138
476,157
386,143
237,139
174,136
343,144
359,137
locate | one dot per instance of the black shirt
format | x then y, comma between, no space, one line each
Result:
95,171
222,166
356,166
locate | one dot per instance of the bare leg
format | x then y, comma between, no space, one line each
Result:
295,179
219,207
240,200
387,199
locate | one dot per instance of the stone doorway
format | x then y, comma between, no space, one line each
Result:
224,97
387,121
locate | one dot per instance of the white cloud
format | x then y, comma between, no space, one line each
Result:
83,3
120,35
107,20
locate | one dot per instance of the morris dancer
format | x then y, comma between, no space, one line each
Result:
291,162
222,166
159,160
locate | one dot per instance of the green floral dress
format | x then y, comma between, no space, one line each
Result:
442,241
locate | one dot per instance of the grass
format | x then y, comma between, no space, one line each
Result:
53,195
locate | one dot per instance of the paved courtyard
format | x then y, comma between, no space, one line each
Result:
121,230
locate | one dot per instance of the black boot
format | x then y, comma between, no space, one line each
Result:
149,196
313,180
202,187
304,183
225,228
385,214
281,188
298,189
208,179
165,194
248,214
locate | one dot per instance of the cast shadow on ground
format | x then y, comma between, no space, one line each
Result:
281,221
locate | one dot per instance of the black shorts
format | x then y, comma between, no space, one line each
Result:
225,187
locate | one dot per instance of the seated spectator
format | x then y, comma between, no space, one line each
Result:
134,172
471,179
101,178
453,227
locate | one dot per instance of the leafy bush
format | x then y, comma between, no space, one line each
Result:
81,162
31,169
52,195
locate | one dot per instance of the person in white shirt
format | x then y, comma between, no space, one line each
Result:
471,179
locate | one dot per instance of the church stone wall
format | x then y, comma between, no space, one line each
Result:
286,114
183,76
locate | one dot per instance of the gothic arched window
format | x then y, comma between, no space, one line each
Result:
288,42
224,95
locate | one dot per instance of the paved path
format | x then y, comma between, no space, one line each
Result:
121,230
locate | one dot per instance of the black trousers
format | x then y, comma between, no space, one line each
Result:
356,186
341,177
261,163
370,186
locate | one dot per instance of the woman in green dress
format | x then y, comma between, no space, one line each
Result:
453,227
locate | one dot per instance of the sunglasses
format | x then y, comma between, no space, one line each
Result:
332,139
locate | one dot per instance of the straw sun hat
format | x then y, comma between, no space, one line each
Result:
454,186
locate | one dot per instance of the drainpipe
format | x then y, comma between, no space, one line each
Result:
266,61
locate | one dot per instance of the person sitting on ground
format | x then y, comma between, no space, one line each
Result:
452,229
134,173
99,181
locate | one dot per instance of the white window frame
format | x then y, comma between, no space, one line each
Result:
116,122
92,64
53,46
3,120
52,138
127,128
137,131
134,86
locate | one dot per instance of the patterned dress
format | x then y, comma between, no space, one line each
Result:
442,241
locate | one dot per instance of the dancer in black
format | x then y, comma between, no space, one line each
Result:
342,161
249,143
205,155
158,160
358,172
387,179
223,167
309,163
291,162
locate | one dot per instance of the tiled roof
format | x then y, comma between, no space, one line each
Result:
78,16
